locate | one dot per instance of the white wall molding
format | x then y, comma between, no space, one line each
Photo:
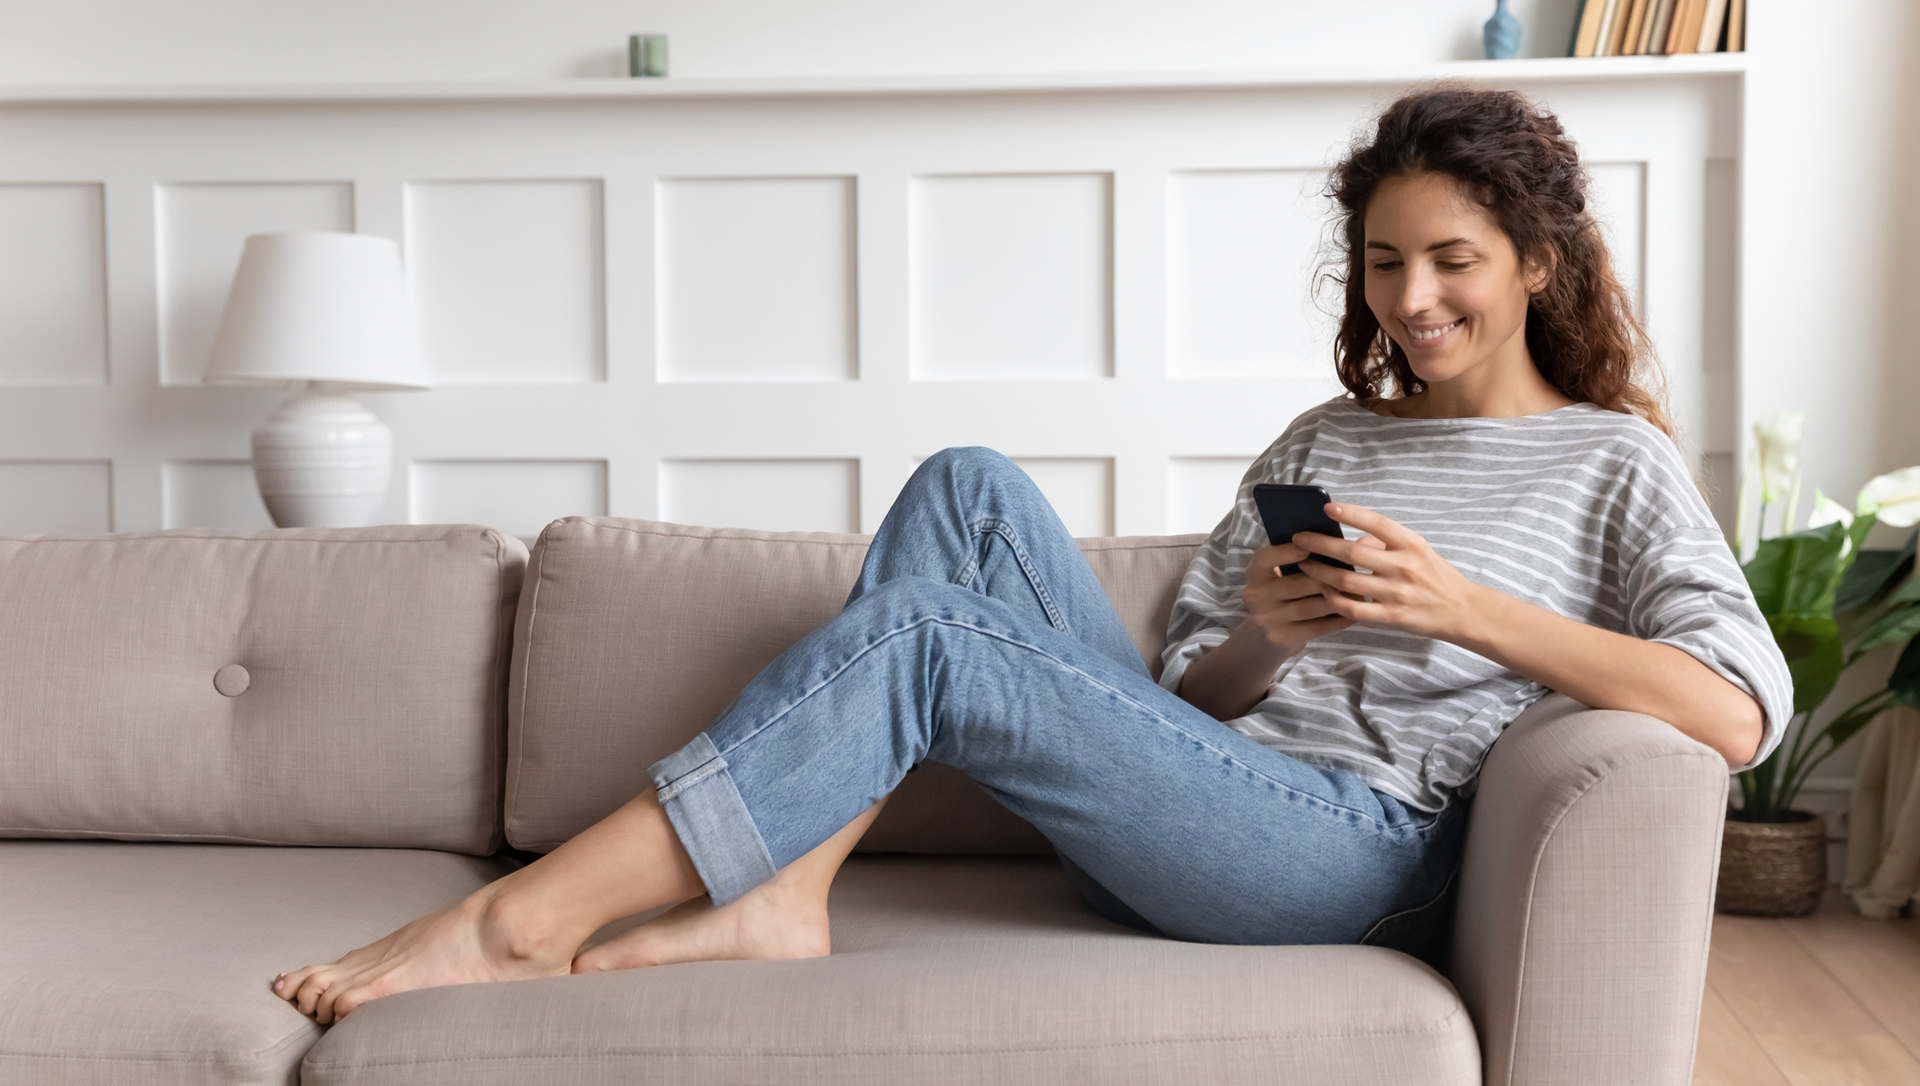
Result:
727,271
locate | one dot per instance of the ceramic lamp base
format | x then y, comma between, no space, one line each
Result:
323,461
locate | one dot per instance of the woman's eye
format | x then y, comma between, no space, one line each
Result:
1386,265
1455,265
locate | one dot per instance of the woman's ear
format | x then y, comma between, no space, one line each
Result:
1539,273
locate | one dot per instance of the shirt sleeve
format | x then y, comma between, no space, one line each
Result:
1683,589
1208,607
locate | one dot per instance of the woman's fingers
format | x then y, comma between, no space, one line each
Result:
1325,545
1356,610
1344,580
1375,524
1273,555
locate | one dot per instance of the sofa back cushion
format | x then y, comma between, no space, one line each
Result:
295,687
633,636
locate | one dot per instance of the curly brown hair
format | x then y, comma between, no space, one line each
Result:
1513,158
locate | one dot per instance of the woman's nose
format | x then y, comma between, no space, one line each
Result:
1419,290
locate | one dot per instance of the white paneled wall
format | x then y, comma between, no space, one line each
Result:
509,278
45,496
784,495
211,494
519,497
53,261
1200,489
761,305
1011,277
1242,250
782,248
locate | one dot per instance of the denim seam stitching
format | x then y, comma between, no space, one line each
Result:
691,777
1005,530
1044,654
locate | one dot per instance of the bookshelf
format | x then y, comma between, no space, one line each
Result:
1528,70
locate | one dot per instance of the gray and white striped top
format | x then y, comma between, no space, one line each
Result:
1584,511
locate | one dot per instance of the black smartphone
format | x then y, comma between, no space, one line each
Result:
1286,509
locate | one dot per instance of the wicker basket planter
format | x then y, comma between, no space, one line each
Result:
1773,868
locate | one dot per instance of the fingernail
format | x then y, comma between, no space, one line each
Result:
279,984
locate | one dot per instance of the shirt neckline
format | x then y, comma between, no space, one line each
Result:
1476,421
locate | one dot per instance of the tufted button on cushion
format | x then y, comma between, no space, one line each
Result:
232,680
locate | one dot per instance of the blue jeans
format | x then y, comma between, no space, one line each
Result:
977,636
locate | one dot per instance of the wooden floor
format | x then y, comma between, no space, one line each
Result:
1826,999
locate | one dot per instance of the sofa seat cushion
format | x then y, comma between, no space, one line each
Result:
151,963
945,970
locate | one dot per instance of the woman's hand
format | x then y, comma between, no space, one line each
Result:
1292,610
1410,587
1283,614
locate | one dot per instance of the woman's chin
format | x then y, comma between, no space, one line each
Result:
1432,371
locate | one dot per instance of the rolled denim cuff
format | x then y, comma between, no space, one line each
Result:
712,820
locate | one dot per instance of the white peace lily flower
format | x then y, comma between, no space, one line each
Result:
1827,511
1777,437
1743,507
1894,497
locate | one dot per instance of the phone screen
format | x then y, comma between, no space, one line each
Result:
1286,509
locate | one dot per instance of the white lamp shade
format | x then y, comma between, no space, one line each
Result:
320,307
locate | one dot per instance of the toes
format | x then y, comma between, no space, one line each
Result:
311,992
589,960
324,1010
347,1002
287,985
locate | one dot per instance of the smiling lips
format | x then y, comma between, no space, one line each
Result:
1430,337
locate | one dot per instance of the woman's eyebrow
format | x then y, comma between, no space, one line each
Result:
1434,248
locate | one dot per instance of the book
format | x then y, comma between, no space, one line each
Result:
1684,37
1659,25
1698,27
1711,26
1648,18
1609,22
1629,39
1586,28
1737,26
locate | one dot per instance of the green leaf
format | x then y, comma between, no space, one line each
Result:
1905,680
1893,628
1811,644
1872,572
1797,573
1909,590
1845,727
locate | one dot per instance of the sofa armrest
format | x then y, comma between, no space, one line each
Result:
1586,897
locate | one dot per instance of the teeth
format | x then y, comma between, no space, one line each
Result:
1436,333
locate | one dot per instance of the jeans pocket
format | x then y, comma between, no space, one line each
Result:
1424,931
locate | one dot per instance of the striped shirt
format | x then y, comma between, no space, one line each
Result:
1587,512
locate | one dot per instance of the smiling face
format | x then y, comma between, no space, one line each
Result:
1446,285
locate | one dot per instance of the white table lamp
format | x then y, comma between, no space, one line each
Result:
328,313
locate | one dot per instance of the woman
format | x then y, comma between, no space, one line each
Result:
1525,523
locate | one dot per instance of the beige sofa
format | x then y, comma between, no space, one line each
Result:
223,755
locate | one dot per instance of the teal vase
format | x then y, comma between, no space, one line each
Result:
1502,34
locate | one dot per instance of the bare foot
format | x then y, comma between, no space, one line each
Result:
476,940
774,921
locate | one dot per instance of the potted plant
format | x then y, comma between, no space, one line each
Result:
1830,603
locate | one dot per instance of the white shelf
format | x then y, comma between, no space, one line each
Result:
1544,70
